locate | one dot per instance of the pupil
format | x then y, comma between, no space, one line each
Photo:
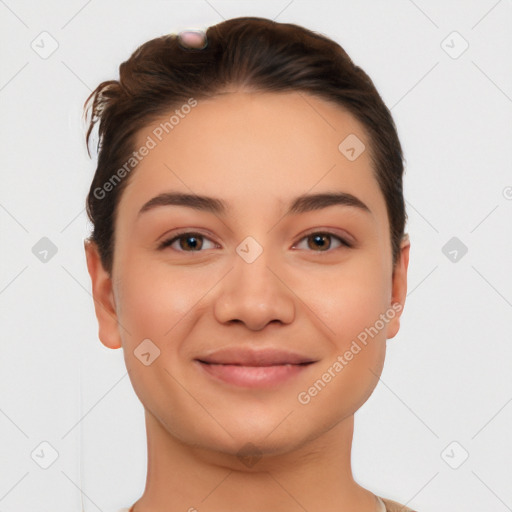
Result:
192,242
319,238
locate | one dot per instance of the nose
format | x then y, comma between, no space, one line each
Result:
254,294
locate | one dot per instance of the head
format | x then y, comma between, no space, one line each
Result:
262,115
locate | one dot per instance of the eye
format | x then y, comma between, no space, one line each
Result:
188,242
322,240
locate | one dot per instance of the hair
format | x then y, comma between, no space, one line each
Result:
257,54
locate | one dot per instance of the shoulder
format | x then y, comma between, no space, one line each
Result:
394,506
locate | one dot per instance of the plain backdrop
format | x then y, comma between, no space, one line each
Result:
435,434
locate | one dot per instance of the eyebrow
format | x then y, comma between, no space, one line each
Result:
302,204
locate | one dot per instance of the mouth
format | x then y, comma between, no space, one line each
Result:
253,369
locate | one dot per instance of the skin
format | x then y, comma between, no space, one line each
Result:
256,152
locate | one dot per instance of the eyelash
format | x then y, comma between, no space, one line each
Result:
166,243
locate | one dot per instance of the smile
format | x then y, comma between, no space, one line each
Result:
253,376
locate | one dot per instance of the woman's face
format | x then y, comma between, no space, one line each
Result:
267,323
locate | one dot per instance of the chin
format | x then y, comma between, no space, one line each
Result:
252,452
243,440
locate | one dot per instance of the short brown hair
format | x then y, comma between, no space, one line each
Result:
256,53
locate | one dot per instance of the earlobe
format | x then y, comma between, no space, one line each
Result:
399,286
103,295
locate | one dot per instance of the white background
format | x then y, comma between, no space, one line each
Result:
447,375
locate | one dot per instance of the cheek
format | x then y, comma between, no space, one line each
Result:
155,298
349,299
351,306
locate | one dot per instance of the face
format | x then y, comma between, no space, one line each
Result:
267,313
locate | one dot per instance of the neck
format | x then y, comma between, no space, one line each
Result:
316,476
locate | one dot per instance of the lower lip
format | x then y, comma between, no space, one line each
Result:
253,376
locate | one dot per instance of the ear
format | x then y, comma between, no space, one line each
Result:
399,286
102,293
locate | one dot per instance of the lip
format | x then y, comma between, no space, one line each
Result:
248,357
254,368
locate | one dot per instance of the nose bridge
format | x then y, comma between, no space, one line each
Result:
251,293
252,269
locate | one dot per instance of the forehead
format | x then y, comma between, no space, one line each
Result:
253,148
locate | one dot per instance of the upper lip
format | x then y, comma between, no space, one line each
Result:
260,357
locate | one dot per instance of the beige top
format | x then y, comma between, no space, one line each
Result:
385,506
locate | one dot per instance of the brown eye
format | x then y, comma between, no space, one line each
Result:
319,240
322,241
187,242
190,241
